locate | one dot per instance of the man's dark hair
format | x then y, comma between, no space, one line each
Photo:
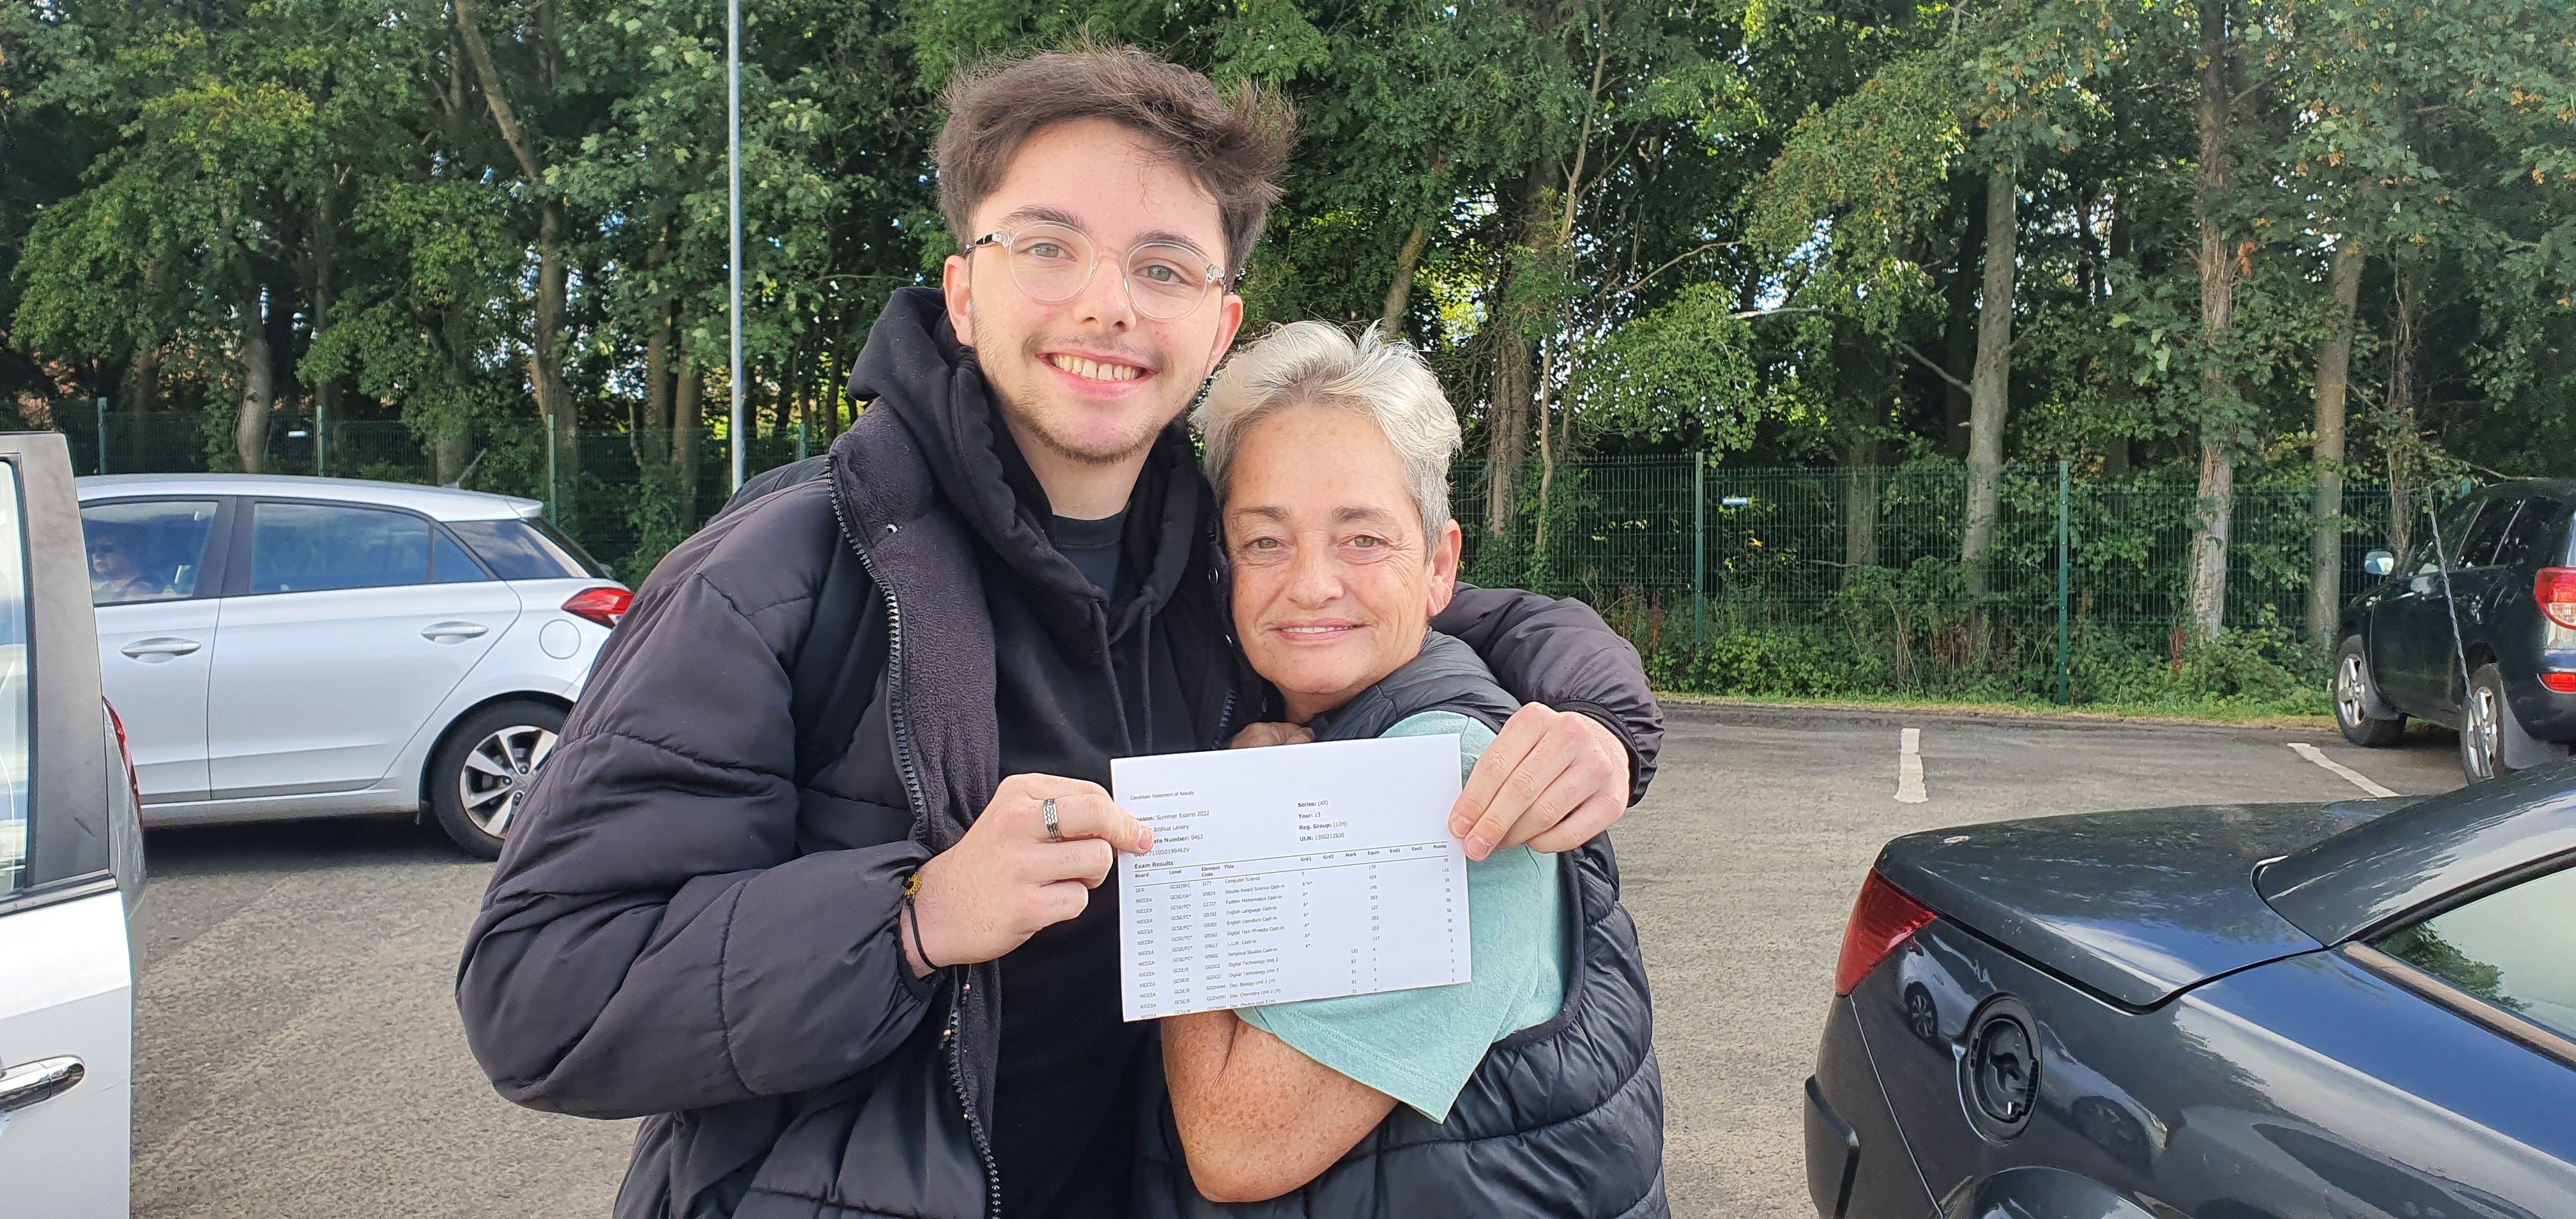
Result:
1233,144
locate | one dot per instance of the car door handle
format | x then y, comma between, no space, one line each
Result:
162,646
41,1080
451,632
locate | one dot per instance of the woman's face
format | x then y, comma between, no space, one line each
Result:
108,560
1334,582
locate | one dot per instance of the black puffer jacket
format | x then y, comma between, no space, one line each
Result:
681,929
1563,1120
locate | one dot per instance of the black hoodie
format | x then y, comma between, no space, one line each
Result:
1082,675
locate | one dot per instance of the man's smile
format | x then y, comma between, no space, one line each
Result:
1094,373
1094,370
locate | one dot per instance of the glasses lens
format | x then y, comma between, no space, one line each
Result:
1050,262
1167,282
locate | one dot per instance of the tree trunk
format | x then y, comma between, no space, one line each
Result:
145,398
2404,443
1390,320
545,368
1548,454
1507,413
453,448
1958,336
657,390
545,354
1507,431
1989,397
657,350
453,451
2217,267
259,394
1861,481
687,435
2334,370
326,394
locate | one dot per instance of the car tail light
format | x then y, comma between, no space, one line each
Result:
2559,683
601,605
1881,921
133,784
2555,589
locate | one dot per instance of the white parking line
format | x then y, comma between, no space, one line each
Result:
2358,779
1909,767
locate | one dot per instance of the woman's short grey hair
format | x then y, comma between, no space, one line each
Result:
1317,363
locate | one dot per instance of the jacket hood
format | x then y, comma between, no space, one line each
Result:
914,366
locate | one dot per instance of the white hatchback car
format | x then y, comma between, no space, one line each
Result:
317,647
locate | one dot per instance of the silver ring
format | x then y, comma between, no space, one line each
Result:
1055,830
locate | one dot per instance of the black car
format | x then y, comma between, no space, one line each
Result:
2230,1012
2488,647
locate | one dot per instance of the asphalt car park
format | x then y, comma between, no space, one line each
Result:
298,1054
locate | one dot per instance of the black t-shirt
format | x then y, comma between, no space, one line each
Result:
1093,546
1064,1121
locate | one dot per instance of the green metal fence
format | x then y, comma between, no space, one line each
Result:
1785,541
1674,549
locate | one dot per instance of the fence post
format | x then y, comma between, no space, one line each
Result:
102,433
2063,695
1699,551
551,488
322,441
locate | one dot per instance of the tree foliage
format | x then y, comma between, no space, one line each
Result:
1756,227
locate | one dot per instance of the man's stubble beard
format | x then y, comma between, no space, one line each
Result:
1031,423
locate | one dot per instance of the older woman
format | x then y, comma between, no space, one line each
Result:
1528,1090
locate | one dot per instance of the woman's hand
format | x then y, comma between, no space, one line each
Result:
1257,735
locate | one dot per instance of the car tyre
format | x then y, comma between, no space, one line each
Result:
2490,737
2357,701
480,776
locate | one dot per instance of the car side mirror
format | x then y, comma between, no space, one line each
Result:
2379,562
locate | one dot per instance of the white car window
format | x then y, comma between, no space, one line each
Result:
303,548
449,564
15,712
528,550
151,550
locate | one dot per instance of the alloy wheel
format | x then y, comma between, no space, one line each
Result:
498,772
2480,741
2347,691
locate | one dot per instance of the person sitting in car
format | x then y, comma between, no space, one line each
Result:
1330,458
116,569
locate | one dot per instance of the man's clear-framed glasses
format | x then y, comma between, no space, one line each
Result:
1054,262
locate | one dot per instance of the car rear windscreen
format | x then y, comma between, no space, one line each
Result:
527,550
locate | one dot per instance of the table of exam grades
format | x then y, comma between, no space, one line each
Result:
1246,932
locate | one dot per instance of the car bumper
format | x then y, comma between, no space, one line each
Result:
2545,714
1858,1166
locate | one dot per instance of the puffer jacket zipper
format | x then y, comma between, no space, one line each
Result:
920,800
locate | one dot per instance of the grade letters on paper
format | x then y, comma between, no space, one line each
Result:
1291,872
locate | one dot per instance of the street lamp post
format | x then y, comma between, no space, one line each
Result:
733,168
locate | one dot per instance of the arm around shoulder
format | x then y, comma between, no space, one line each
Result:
1559,653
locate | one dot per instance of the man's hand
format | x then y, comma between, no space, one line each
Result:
1006,881
1551,780
1254,736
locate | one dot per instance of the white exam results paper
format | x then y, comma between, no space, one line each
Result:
1290,872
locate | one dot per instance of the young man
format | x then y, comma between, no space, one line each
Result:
795,961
